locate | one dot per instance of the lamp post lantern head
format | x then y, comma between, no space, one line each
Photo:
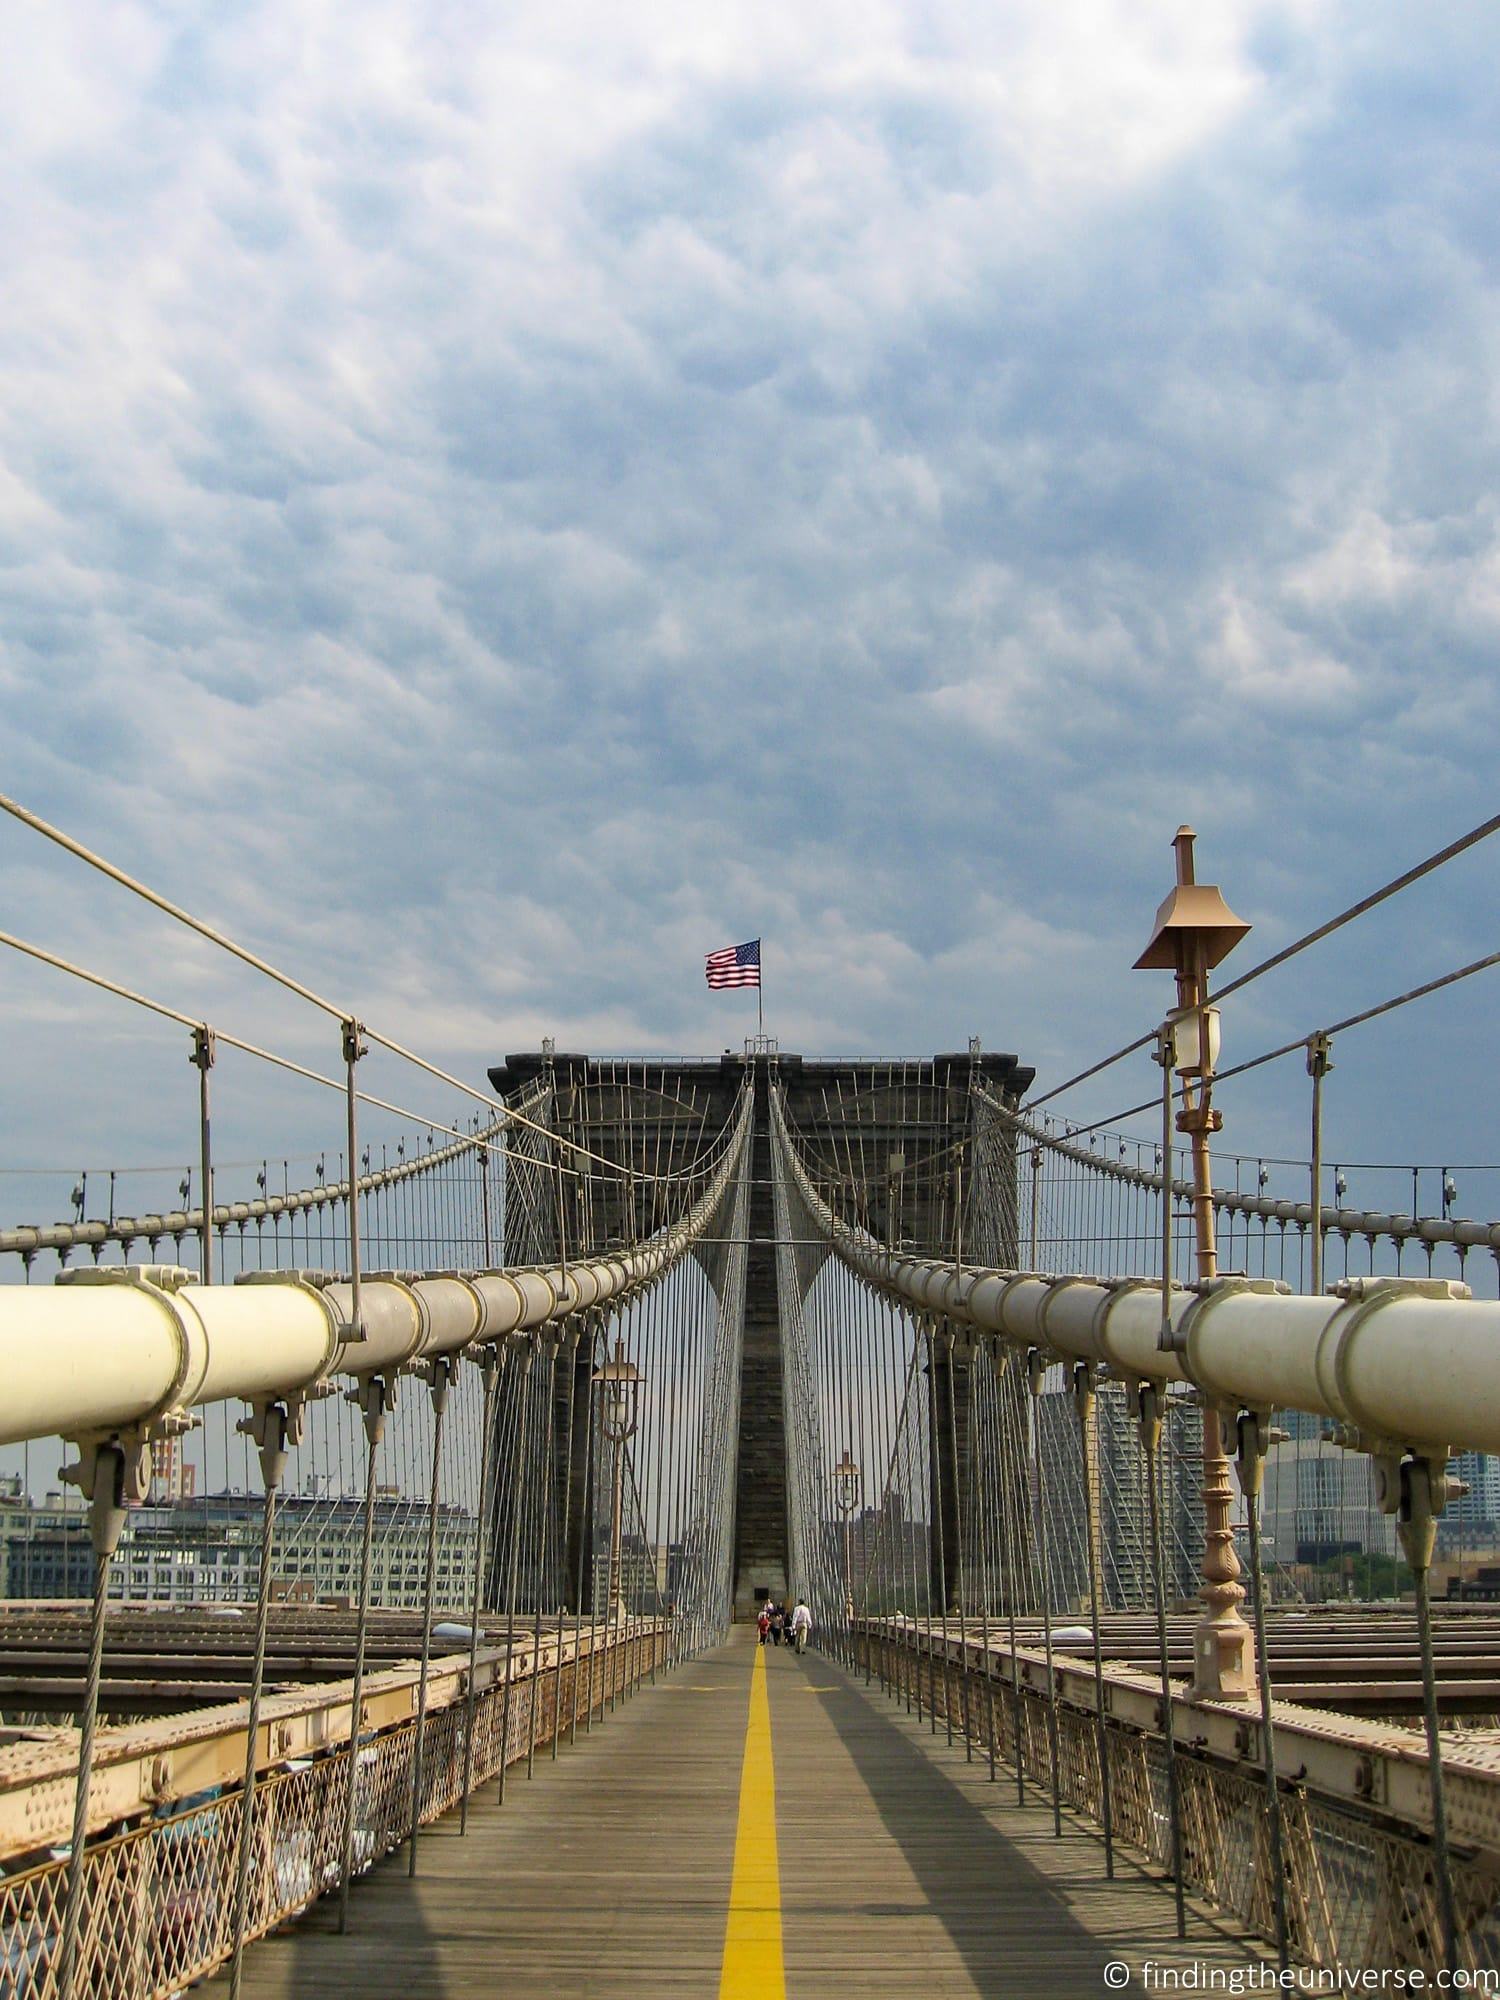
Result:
1195,928
846,1478
621,1381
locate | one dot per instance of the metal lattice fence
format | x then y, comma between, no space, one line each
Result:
158,1898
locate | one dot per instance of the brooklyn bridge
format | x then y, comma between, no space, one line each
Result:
385,1558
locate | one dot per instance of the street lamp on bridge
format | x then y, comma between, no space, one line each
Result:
1195,929
621,1383
846,1491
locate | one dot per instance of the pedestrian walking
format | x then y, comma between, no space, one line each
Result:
801,1625
778,1619
763,1624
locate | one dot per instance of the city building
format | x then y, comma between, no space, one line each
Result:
649,1573
172,1476
889,1556
1472,1520
1121,1499
45,1546
1319,1500
207,1551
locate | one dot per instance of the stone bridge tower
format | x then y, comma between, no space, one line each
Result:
890,1125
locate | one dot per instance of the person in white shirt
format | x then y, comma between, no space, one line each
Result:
801,1625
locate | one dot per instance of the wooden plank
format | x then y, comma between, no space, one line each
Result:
902,1869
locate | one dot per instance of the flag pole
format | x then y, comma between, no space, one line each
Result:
760,997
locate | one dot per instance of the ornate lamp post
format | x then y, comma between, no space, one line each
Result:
621,1383
846,1492
1195,929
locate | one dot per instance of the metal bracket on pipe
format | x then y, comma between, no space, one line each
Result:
1202,1300
437,1371
160,1277
164,1281
1423,1488
315,1282
124,1460
1252,1438
374,1396
293,1408
488,1356
1359,1291
275,1423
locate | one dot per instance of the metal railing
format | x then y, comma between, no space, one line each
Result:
1361,1883
158,1898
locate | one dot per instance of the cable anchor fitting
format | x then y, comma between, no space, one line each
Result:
1319,1051
275,1425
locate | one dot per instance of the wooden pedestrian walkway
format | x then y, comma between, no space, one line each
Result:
901,1868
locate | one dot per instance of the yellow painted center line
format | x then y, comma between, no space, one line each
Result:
752,1968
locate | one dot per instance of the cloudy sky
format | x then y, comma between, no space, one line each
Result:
496,502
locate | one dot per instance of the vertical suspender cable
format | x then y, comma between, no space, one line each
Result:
107,1498
1010,1538
982,1548
544,1517
440,1380
1252,1439
939,1508
522,1394
1423,1493
272,1429
570,1366
1035,1370
581,1655
590,1523
1149,1411
1318,1066
203,1062
958,1518
374,1400
490,1363
1086,1404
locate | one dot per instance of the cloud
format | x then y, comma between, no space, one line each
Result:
492,507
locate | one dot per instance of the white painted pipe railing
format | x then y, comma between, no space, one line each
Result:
113,1348
1413,1363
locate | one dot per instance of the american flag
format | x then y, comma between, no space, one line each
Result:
735,965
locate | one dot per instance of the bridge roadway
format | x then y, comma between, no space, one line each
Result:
648,1859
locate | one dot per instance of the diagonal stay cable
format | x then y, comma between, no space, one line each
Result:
1312,937
242,952
106,985
1334,1028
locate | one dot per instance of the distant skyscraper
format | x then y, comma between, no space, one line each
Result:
1473,1518
1122,1500
172,1478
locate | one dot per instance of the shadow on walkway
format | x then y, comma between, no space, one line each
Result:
963,1842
